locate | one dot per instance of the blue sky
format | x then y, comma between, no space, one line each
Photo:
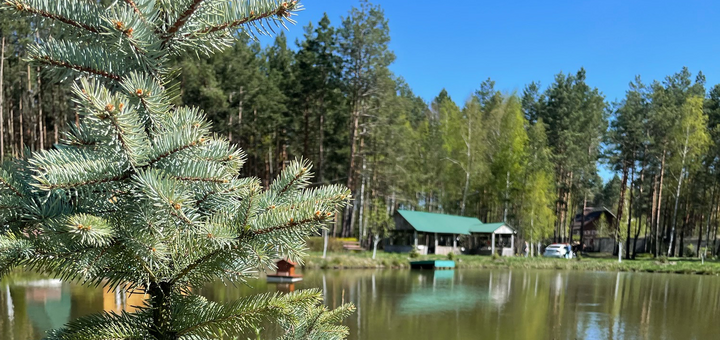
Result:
458,44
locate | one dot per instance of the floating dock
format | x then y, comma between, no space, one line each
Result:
283,278
432,264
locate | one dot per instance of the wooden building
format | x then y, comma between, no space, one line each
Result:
432,233
592,217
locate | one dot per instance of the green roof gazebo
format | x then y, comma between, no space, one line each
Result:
441,224
500,228
434,224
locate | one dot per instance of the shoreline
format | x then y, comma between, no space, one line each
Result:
348,261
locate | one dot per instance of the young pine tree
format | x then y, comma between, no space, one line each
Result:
140,196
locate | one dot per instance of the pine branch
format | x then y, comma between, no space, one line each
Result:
210,193
121,135
237,316
59,63
201,179
106,326
171,152
182,19
15,191
23,7
132,4
283,11
290,184
291,224
247,235
91,182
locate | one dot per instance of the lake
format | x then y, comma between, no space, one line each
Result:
459,304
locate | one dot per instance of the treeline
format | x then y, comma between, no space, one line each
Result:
527,158
34,110
661,142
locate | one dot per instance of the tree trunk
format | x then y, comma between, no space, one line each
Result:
678,252
532,228
652,216
321,154
677,200
642,202
2,100
375,243
621,204
55,115
567,233
355,120
716,206
700,235
21,145
507,196
666,227
659,205
630,206
161,311
306,132
41,123
559,194
362,201
11,128
240,108
710,217
468,166
582,223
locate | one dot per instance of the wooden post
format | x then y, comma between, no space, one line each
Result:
436,243
454,242
415,236
492,244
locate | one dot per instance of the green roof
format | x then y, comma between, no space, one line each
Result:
439,223
488,227
448,224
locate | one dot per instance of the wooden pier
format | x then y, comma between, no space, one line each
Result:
432,264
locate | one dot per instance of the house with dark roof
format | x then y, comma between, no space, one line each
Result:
592,217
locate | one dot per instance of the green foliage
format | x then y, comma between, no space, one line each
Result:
595,262
379,222
334,244
690,251
142,195
414,253
603,227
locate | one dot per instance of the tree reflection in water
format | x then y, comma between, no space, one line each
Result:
410,304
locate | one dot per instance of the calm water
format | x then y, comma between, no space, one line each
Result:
461,304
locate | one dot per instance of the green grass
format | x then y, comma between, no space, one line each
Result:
601,262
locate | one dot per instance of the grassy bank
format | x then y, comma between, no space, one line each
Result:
387,260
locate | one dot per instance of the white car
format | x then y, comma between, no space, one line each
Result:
555,250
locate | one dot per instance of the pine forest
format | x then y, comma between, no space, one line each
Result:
529,158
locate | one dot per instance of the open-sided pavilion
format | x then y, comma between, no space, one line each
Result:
443,230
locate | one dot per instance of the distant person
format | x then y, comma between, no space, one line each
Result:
569,251
526,249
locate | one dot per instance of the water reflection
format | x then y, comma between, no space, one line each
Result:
436,292
31,308
462,304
